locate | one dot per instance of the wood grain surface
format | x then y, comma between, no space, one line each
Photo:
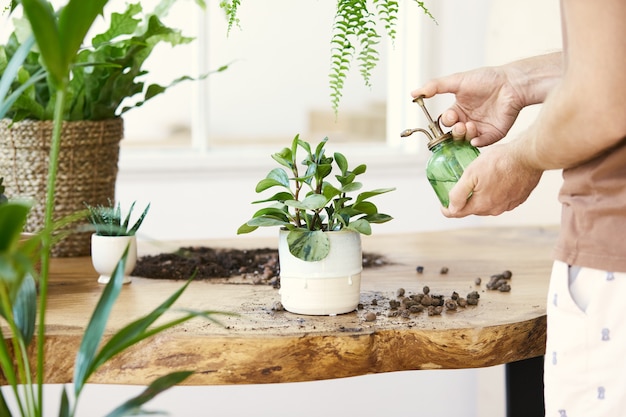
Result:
260,345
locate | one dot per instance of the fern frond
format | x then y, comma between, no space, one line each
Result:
354,25
230,7
421,5
387,11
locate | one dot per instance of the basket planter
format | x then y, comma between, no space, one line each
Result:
327,287
87,172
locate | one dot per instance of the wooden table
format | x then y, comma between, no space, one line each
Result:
264,346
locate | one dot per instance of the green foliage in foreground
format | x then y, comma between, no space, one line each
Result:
24,288
18,308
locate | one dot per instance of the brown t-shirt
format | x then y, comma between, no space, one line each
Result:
593,221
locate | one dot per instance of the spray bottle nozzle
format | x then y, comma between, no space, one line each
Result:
435,135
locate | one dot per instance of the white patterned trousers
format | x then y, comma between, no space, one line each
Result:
585,361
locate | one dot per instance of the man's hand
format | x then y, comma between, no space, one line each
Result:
495,182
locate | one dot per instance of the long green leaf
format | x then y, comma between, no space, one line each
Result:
75,20
6,364
155,388
4,408
17,94
43,23
95,327
12,219
25,308
132,332
10,72
64,406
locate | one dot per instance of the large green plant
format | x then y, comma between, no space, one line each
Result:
23,303
355,37
108,77
309,204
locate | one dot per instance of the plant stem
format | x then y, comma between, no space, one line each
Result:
55,146
296,195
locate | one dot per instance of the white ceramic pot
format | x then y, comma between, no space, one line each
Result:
106,252
327,287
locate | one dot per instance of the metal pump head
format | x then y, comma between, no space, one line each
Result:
435,135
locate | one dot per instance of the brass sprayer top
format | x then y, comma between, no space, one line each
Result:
435,135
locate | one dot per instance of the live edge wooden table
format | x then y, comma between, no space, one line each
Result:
260,345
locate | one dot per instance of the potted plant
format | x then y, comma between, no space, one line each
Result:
320,227
23,288
111,238
107,78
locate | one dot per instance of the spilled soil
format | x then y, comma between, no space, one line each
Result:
260,266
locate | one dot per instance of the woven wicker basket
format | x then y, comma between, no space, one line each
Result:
86,175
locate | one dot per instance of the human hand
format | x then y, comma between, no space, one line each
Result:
495,182
486,104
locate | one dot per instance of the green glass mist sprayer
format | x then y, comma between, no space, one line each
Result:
449,157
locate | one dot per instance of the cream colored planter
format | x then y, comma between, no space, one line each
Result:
327,287
106,252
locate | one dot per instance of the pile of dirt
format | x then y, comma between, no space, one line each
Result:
206,263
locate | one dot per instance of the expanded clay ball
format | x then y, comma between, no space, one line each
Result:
370,316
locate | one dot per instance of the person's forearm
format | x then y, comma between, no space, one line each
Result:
535,77
583,115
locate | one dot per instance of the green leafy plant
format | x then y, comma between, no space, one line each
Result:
309,204
355,37
24,288
107,220
18,308
107,78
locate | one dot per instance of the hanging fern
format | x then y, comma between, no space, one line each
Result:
230,7
354,37
356,25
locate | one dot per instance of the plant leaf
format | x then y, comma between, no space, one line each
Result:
361,226
311,202
135,331
25,308
367,194
155,388
351,187
95,328
265,221
44,26
10,72
276,177
4,408
280,197
12,220
75,20
64,406
378,218
246,228
278,213
342,162
308,245
365,207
